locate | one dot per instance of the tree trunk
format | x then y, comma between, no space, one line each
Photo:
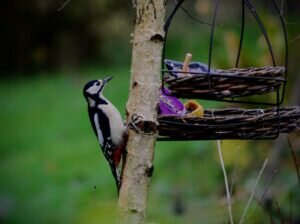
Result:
148,40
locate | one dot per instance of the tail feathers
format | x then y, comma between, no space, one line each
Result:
117,178
118,162
117,169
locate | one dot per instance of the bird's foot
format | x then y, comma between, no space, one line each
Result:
135,121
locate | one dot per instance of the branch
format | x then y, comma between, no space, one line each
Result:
242,220
226,182
148,40
294,158
63,5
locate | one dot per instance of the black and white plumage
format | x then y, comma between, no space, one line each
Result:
107,124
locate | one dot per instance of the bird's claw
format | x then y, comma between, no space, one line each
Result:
135,120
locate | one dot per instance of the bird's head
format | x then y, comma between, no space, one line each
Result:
93,89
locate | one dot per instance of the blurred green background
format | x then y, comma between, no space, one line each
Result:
51,168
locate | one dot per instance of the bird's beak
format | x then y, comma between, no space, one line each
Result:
106,80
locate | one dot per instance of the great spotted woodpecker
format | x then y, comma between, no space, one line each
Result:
107,125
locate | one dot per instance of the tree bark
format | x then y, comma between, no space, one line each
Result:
148,40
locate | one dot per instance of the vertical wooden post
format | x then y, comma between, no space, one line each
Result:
148,38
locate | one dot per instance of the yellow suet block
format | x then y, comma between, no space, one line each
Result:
194,108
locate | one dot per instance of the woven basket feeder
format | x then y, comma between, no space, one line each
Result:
219,83
231,124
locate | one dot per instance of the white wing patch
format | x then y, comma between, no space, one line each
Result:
99,132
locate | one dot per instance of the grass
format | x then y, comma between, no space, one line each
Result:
49,163
51,169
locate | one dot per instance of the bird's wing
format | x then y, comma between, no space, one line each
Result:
107,146
100,122
101,127
103,122
91,116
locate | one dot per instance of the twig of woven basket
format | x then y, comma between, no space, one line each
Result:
234,123
228,83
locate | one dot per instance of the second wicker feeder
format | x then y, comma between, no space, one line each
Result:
233,123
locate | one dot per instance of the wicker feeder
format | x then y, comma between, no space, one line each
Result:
219,84
231,124
194,80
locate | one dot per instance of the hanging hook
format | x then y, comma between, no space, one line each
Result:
211,42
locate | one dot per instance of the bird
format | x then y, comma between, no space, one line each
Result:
107,124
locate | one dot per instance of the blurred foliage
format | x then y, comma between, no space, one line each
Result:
37,35
51,168
40,35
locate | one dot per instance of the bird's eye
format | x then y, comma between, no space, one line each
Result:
97,84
